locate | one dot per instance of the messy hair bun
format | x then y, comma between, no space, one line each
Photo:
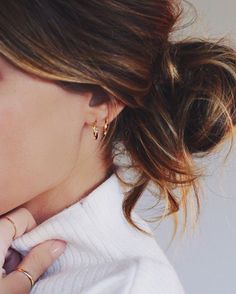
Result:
179,96
197,81
188,111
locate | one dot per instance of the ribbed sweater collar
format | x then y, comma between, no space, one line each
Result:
96,227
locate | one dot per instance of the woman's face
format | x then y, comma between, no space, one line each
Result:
40,128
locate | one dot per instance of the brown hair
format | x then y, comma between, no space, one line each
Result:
179,96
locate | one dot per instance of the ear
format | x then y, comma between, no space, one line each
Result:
101,108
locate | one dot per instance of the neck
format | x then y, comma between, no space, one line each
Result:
77,186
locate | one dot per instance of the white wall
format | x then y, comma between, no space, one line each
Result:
206,260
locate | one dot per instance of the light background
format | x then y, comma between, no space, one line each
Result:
205,261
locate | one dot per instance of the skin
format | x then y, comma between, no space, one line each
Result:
49,157
36,262
49,160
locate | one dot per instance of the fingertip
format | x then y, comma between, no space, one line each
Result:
57,248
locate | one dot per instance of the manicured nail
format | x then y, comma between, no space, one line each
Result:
57,248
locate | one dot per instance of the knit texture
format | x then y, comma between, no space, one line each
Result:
104,253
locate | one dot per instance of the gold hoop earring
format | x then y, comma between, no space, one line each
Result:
105,127
95,130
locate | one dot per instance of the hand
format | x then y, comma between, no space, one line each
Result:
36,262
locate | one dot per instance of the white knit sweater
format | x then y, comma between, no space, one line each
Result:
104,254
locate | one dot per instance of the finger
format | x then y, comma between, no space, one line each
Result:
36,263
24,222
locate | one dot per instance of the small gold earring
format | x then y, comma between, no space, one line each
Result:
95,130
105,127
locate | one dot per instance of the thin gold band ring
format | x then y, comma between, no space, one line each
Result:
27,274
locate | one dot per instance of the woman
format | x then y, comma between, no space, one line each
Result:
83,82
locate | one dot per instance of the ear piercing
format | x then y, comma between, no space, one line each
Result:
95,129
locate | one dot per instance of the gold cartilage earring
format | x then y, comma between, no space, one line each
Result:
95,130
105,127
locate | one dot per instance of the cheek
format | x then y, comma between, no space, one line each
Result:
37,151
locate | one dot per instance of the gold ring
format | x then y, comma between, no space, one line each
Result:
27,274
13,225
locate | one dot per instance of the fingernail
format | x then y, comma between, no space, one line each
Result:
57,248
